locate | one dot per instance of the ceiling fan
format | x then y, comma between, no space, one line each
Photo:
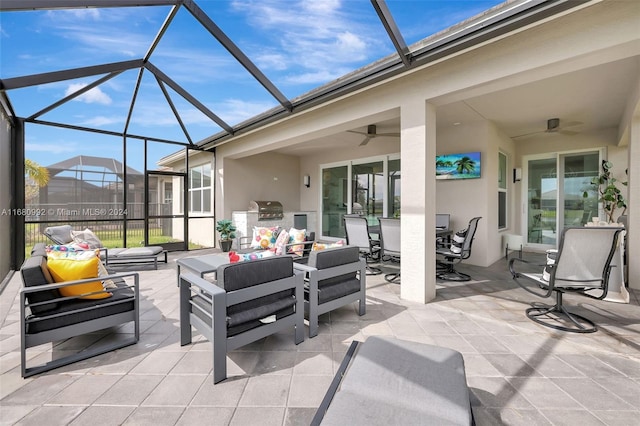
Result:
371,134
553,126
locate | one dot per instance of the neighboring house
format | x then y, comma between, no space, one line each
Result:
83,187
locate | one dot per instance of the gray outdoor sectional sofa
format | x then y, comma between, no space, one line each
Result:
46,316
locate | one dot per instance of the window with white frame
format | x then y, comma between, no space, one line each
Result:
200,189
502,190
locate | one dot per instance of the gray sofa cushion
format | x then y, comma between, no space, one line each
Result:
326,293
34,273
39,249
110,307
392,381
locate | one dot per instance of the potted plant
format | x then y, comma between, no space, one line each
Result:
227,232
608,192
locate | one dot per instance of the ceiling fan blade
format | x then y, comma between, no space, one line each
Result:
359,133
393,135
365,141
528,134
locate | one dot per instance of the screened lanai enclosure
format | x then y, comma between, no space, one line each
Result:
102,95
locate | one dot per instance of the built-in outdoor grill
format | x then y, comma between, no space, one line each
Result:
267,210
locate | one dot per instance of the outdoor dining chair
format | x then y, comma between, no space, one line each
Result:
581,266
390,245
357,232
455,252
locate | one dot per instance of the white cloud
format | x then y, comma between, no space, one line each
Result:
93,96
108,31
101,120
274,61
234,111
319,36
47,147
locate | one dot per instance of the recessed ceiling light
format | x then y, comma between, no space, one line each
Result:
457,123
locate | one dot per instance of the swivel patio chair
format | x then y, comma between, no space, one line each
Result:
250,300
390,245
582,266
455,252
334,277
357,232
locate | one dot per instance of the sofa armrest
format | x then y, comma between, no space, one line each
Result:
24,291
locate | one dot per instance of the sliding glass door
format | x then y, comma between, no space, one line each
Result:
554,194
368,188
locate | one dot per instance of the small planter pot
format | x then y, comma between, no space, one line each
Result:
225,245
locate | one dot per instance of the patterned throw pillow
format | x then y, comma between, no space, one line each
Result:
297,236
88,237
256,255
264,237
458,241
322,246
281,242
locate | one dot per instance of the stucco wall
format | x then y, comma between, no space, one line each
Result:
268,176
596,35
5,196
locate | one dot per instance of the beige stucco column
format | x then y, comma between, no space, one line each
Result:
418,150
633,203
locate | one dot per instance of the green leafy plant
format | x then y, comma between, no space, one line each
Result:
608,192
227,229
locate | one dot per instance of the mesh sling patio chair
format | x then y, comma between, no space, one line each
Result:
357,230
390,245
455,252
582,266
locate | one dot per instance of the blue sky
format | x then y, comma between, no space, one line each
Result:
299,45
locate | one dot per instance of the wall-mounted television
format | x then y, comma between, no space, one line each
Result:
458,166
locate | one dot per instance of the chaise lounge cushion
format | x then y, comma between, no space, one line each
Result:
392,381
60,234
134,252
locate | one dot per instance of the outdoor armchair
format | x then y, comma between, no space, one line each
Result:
249,300
334,277
455,252
581,266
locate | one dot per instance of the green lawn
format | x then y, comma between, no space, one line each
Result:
109,239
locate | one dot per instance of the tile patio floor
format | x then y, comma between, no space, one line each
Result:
519,373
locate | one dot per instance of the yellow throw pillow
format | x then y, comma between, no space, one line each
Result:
68,269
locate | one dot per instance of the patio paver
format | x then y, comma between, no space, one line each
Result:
519,373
